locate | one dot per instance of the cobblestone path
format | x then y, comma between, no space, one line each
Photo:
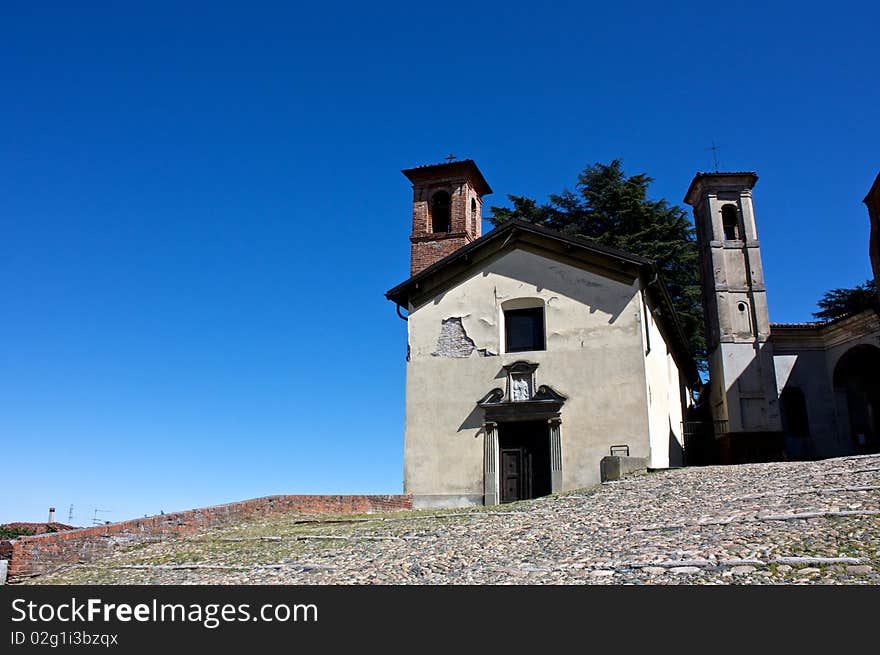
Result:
778,523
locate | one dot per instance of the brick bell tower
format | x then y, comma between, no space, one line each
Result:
447,209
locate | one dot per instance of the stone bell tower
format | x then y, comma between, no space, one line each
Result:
743,395
447,209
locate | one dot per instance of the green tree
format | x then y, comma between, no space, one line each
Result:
838,302
613,209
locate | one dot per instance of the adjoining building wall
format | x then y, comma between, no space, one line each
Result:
805,358
594,356
855,332
806,370
664,397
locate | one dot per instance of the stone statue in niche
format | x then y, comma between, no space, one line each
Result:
520,387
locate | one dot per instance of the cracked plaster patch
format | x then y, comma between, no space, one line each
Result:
454,341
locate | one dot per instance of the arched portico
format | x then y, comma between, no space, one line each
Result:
857,387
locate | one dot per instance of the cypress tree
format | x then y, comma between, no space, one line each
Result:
613,209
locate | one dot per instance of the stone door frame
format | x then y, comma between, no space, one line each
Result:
492,456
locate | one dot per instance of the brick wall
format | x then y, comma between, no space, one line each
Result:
38,554
433,248
429,247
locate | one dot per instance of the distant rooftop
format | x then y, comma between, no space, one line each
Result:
25,528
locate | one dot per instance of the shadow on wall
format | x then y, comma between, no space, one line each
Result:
676,451
833,413
473,420
851,400
707,437
799,443
582,287
590,289
752,416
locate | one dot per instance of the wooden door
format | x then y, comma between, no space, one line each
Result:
511,474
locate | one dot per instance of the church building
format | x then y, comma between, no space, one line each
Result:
777,390
531,355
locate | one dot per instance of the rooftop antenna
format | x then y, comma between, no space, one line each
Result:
70,515
451,158
96,520
714,150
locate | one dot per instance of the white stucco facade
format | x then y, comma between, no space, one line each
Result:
604,353
666,397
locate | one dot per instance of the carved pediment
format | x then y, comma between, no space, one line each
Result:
520,390
546,392
492,398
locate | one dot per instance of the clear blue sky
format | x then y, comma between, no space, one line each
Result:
202,207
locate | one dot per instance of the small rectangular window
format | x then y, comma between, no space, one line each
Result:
524,329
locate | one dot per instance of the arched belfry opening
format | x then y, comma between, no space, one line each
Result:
441,210
730,223
475,215
857,387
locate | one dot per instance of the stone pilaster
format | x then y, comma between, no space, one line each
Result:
490,463
555,455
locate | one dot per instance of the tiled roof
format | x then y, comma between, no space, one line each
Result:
816,325
444,163
511,226
688,197
710,174
813,324
461,166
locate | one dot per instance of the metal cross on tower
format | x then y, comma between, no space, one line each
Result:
714,150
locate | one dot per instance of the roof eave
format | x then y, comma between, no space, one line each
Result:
674,333
511,227
465,167
690,197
